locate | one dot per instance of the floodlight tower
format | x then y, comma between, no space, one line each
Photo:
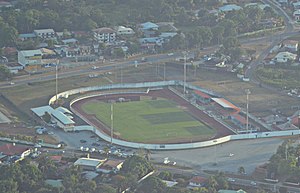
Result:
184,74
112,123
247,110
56,81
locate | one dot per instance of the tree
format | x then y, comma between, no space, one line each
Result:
4,73
103,188
241,170
152,184
46,117
165,175
137,165
118,53
8,186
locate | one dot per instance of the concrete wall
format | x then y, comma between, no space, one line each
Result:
157,146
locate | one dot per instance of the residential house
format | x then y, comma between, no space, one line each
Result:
15,152
104,35
14,67
170,183
166,27
283,57
89,163
121,30
5,4
259,5
111,166
149,29
70,41
45,33
229,8
283,2
30,57
296,5
296,15
291,45
197,181
149,26
29,36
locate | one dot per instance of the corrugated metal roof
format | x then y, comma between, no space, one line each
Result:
225,103
40,111
62,117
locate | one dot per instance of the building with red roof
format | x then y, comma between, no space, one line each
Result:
197,181
202,97
12,149
296,121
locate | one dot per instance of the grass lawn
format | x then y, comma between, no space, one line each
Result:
150,121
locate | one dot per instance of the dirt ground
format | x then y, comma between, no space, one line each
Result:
18,129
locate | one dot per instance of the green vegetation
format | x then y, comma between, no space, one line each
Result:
280,76
26,177
149,121
285,164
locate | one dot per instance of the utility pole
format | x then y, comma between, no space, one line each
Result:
184,75
164,71
247,110
112,123
56,82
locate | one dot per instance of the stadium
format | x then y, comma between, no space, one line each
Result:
152,116
165,115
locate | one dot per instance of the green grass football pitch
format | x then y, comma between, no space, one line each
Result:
146,121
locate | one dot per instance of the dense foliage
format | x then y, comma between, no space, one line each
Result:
285,163
200,29
25,177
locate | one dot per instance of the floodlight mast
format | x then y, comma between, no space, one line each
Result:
56,82
247,110
184,75
112,123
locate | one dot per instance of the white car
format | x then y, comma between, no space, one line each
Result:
170,54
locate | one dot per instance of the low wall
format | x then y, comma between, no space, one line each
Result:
157,146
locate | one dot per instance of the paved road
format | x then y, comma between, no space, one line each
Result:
247,153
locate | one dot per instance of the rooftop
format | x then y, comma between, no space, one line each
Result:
104,30
225,103
202,94
44,31
40,111
62,117
230,7
88,162
198,179
149,25
31,52
10,149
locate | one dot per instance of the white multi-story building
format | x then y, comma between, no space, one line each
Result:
45,33
104,35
